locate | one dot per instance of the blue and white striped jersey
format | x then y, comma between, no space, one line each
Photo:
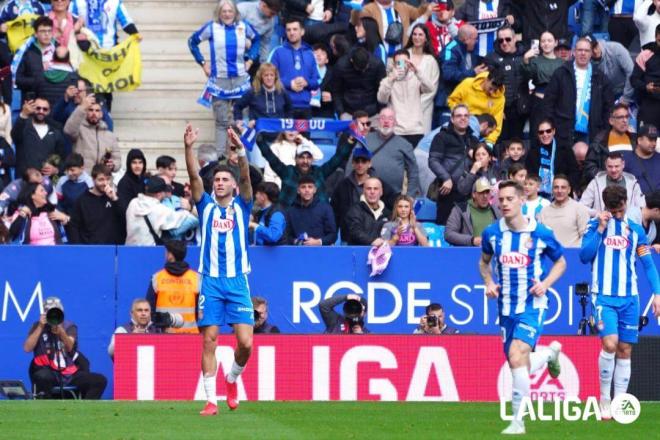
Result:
224,237
101,17
532,208
228,47
625,7
613,255
519,263
16,8
389,16
486,40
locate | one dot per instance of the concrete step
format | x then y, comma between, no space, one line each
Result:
160,130
176,12
147,101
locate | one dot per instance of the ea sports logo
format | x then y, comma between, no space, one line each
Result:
616,242
543,386
223,225
625,408
515,260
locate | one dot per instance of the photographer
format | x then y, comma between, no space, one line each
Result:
352,320
140,323
433,322
261,324
54,342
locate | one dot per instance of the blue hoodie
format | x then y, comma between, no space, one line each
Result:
284,58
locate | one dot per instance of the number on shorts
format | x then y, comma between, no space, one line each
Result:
200,303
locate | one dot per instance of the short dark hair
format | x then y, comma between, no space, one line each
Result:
433,307
177,248
295,20
306,179
42,20
322,46
74,160
614,155
360,58
221,168
620,106
562,177
533,176
98,169
614,196
487,118
515,169
496,77
273,5
165,161
653,199
657,30
403,52
360,114
270,189
515,140
547,121
512,184
26,174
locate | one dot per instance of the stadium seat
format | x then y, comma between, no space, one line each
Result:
435,234
425,210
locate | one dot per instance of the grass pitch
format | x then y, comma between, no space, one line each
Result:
291,420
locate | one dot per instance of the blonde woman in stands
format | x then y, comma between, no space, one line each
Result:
266,99
7,156
404,229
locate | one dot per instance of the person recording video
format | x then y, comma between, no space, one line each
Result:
352,319
433,322
57,361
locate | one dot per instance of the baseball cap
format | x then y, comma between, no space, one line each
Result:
445,5
304,148
361,153
564,42
648,131
155,185
53,302
481,185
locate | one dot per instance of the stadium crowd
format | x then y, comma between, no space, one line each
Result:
450,96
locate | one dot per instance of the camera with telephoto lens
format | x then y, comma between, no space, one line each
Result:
431,320
353,313
166,320
55,316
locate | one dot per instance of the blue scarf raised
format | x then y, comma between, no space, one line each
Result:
583,103
274,125
547,168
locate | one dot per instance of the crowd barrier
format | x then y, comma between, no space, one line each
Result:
98,283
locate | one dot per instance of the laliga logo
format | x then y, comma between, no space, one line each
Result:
616,242
223,225
515,260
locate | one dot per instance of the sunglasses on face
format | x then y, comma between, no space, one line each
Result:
41,109
502,40
547,131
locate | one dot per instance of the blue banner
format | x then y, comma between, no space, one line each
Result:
98,283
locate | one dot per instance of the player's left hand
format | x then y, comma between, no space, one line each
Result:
656,306
539,288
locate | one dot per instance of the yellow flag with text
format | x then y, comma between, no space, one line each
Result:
113,70
19,30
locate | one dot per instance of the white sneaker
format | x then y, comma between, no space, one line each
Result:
605,410
553,364
515,428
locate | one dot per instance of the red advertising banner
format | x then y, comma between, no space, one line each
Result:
348,367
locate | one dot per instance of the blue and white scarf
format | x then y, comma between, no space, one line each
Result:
211,90
583,103
547,168
275,125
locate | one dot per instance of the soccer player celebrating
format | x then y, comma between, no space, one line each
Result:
611,244
519,245
224,295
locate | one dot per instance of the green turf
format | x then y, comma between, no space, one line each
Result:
291,420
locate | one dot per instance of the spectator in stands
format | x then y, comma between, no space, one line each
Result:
364,221
392,155
73,184
514,152
447,159
7,155
424,61
563,49
97,217
459,61
322,103
592,197
309,221
231,160
57,77
402,89
102,19
9,196
352,319
618,137
36,59
91,136
132,182
175,289
644,162
403,229
148,222
6,80
140,323
261,324
483,167
36,139
261,16
614,61
534,202
4,234
56,357
207,158
234,47
269,222
295,61
468,220
567,218
442,25
517,172
645,79
594,16
285,147
549,157
14,8
648,217
367,35
265,99
433,322
647,19
539,63
36,221
508,58
580,150
66,26
290,174
568,91
166,169
538,16
356,77
483,94
475,10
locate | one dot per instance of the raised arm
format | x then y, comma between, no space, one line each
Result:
244,184
196,184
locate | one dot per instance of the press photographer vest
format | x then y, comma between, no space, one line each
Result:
50,352
178,294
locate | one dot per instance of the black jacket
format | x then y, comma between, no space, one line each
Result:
470,10
561,96
334,322
448,153
538,16
565,162
361,226
96,220
31,150
5,84
131,185
7,162
598,151
316,220
514,77
354,90
30,72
